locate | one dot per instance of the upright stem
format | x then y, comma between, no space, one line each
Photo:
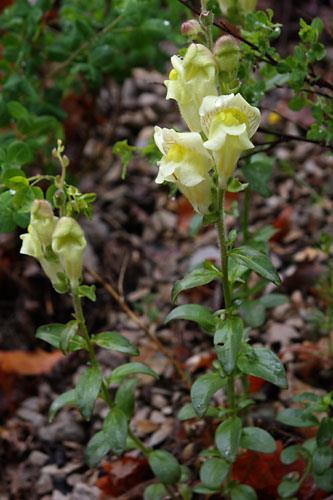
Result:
225,284
82,326
92,355
223,249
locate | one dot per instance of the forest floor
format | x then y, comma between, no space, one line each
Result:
139,245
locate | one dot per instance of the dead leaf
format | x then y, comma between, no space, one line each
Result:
29,362
123,474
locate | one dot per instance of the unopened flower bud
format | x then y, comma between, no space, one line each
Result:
69,243
227,54
191,28
42,222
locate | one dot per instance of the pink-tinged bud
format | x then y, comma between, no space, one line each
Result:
227,54
191,28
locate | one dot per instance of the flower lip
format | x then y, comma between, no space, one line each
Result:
236,111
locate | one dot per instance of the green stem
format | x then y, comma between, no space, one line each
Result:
245,215
138,443
83,327
223,249
92,355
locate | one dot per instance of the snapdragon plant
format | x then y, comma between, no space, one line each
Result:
202,163
56,240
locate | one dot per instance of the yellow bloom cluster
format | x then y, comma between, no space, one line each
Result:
57,243
221,127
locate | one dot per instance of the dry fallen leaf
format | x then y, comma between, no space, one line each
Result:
29,362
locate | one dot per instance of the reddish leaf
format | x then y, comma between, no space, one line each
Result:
29,362
283,223
264,473
255,383
123,474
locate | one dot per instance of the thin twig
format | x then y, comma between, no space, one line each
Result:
138,321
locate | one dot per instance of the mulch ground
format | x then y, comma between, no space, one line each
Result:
139,244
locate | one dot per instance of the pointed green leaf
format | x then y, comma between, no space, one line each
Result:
155,492
87,390
194,312
263,363
164,466
198,277
203,389
97,448
213,472
257,439
227,438
115,342
230,335
297,417
253,312
129,369
115,429
243,492
52,333
256,261
124,398
65,399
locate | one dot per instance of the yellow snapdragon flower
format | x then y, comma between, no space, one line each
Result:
69,243
190,80
228,122
37,243
186,163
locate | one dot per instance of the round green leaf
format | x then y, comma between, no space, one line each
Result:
164,466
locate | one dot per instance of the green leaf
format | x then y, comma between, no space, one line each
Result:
87,390
194,312
19,153
258,174
288,487
65,399
263,363
97,448
52,332
115,429
17,110
164,466
128,369
291,454
273,300
203,389
227,438
253,312
198,277
115,342
7,222
231,335
88,292
297,417
124,398
68,334
242,492
257,439
256,261
298,102
322,459
213,472
324,481
155,492
235,186
325,431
